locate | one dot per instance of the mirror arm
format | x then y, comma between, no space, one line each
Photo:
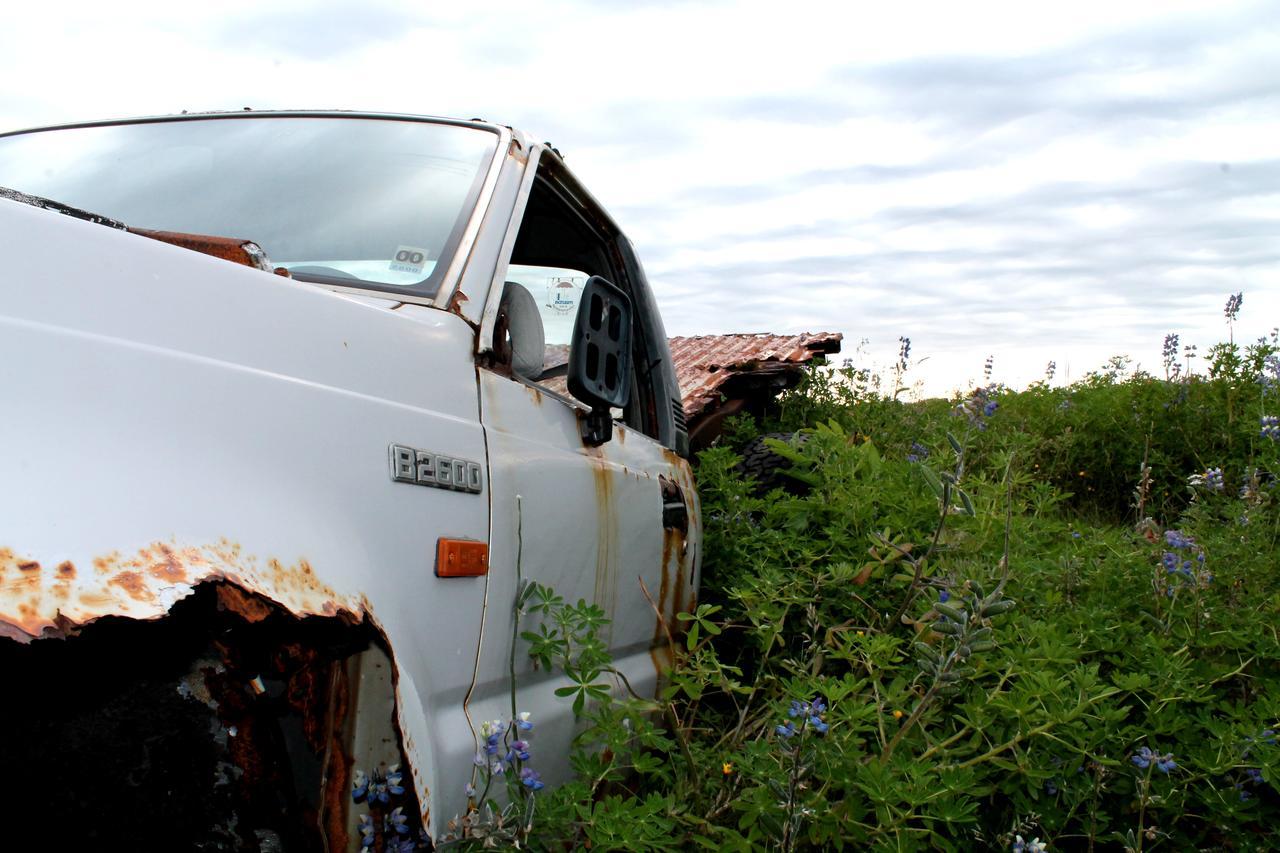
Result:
597,427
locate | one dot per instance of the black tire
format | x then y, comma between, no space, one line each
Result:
768,469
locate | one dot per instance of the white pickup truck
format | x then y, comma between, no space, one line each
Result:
284,419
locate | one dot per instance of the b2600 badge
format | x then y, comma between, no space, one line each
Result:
425,468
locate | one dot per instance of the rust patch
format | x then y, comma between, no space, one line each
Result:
146,584
237,250
457,301
251,608
168,567
132,583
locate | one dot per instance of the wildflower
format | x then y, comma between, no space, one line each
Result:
786,730
367,832
530,779
1032,846
1234,301
394,780
862,633
497,768
1178,540
1270,427
398,821
798,708
990,408
359,787
726,768
897,713
1211,480
523,722
469,790
918,452
1049,371
818,725
1254,774
1144,757
944,596
519,749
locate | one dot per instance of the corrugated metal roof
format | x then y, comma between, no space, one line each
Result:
704,363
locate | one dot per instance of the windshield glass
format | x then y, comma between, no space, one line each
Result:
375,203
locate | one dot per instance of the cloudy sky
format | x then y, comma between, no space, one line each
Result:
1034,181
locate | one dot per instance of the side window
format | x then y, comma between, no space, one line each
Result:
558,247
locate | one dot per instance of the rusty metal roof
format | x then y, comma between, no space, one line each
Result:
704,363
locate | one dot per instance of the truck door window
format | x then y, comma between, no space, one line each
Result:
556,250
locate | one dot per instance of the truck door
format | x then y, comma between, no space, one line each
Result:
585,521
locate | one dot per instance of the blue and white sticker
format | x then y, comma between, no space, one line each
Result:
409,259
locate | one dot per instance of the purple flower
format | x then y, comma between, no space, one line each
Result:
786,730
944,596
529,778
1178,540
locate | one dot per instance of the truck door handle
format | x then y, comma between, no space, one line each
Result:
675,509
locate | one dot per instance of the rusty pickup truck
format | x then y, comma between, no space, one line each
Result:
281,432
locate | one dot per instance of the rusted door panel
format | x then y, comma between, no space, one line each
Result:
590,526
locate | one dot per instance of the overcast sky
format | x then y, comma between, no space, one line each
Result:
1027,180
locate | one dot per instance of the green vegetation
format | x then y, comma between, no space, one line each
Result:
1027,620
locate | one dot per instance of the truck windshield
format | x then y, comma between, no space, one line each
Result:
362,202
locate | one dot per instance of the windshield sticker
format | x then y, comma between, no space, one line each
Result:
409,259
562,294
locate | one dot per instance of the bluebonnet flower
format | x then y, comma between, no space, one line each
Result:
810,715
367,833
529,778
519,749
523,722
1210,479
1170,354
1144,757
1270,376
1270,427
359,786
918,452
978,406
1032,846
1177,539
394,779
944,596
1170,561
1234,301
397,821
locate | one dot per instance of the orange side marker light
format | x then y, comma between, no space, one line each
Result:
461,558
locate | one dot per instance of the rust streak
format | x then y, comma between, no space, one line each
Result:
29,566
66,569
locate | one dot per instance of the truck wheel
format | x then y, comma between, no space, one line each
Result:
768,469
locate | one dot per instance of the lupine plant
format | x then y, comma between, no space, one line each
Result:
855,674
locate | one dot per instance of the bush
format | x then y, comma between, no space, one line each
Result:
1018,620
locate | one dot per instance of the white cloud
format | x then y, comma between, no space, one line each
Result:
1041,181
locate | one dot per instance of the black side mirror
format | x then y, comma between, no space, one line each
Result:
600,356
